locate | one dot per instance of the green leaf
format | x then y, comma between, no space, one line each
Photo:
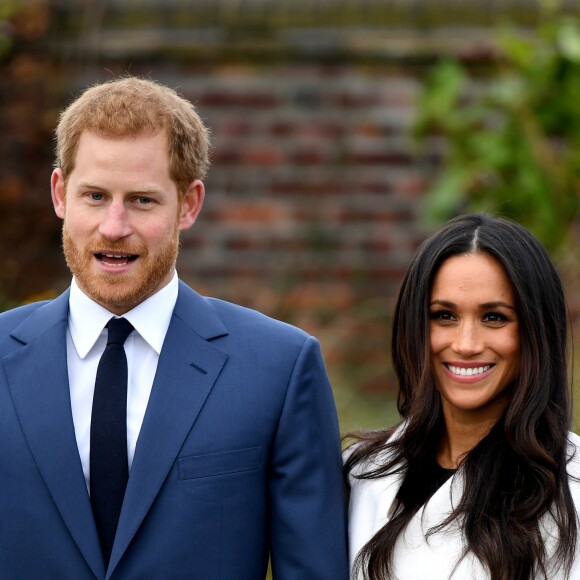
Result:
569,40
446,197
511,142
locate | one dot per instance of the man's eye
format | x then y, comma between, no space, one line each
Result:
96,196
144,200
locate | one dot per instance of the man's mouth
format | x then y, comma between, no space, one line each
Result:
116,259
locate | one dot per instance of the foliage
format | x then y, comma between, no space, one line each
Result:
31,93
5,302
511,139
7,9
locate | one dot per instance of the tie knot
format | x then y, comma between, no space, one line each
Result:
119,330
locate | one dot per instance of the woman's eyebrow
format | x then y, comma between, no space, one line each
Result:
445,303
497,304
484,306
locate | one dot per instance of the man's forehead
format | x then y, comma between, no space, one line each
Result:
109,135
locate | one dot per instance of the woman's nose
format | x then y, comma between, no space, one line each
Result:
467,340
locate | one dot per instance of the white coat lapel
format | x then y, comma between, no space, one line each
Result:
438,556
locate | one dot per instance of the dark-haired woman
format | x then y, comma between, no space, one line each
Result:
479,481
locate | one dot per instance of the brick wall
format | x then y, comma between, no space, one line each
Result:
312,180
314,194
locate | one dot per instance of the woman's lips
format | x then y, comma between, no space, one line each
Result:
471,372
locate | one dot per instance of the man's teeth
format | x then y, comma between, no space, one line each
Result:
463,372
115,259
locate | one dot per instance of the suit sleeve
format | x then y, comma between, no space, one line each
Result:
306,495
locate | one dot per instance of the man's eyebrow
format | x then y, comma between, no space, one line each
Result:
148,190
89,185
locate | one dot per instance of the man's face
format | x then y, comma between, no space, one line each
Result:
122,218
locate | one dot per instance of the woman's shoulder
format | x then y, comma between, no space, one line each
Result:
370,450
573,466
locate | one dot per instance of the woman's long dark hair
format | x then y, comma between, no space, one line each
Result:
516,475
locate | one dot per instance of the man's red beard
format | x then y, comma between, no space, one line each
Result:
121,291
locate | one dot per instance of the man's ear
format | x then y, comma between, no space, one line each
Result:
191,204
57,192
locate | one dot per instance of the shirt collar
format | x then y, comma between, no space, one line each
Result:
151,318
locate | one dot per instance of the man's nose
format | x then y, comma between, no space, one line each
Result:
115,224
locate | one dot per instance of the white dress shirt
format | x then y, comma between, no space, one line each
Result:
86,340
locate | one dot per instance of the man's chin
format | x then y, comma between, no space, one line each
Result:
115,301
114,292
120,293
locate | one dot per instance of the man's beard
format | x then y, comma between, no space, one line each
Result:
121,291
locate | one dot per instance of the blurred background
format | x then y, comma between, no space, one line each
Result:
344,131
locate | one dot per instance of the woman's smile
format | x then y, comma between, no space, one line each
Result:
462,371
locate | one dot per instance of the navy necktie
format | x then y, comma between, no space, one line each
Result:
109,468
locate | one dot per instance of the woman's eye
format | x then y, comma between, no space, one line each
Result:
494,317
442,315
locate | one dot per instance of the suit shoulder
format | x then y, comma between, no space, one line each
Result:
12,319
238,317
9,319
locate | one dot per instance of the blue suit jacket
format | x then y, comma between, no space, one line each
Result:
238,455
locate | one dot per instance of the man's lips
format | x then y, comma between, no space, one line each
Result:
116,259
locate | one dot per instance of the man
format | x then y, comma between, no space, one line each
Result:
224,448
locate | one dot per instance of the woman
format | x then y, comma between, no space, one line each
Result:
478,481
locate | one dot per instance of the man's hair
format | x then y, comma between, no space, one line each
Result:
133,107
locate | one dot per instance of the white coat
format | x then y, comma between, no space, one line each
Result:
438,557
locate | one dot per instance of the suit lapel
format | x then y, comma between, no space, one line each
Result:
38,379
187,370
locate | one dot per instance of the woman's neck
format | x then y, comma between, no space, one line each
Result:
464,429
458,439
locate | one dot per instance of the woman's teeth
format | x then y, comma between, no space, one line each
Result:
463,372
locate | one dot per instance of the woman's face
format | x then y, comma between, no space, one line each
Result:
474,338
